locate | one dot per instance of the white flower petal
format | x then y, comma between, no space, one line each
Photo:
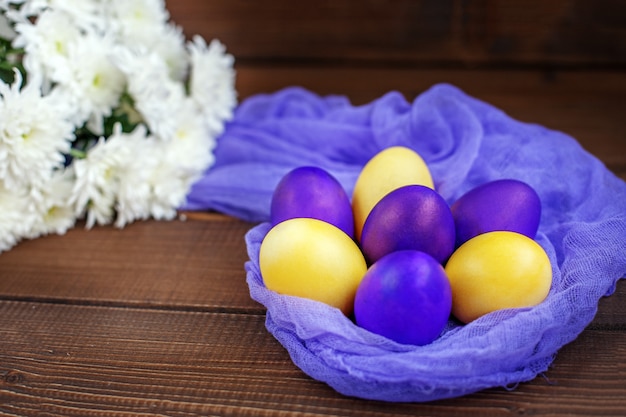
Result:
16,218
212,82
51,203
46,43
34,134
96,82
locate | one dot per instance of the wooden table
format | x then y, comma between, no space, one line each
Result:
156,319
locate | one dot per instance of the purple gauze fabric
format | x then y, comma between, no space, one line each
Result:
465,142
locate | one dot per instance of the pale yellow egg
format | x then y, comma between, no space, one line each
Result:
313,259
389,169
497,270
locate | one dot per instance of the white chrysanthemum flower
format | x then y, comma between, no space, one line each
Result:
96,82
156,96
143,25
98,175
51,204
157,181
85,13
34,134
135,186
192,144
15,219
170,190
212,82
181,163
136,21
170,184
46,44
82,56
169,44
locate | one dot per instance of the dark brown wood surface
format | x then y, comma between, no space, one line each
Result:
156,319
427,32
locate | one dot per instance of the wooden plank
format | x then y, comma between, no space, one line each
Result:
611,312
451,32
588,105
193,264
89,360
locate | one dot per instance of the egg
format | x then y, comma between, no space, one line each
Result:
312,192
507,205
410,217
389,169
313,259
497,270
405,296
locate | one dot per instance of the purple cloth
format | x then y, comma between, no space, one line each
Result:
465,142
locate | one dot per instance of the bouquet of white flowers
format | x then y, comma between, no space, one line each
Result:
107,113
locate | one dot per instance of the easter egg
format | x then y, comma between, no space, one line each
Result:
313,259
507,204
313,193
497,270
389,169
406,297
412,217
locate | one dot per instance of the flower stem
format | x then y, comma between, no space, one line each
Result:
78,154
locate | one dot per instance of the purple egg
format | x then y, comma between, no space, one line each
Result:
500,205
406,297
413,217
312,192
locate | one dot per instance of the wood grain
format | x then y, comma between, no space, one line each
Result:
188,264
423,32
67,359
193,265
587,105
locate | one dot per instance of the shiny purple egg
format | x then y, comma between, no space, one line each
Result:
406,297
312,192
500,205
413,217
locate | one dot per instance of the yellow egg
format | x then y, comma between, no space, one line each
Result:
313,259
389,169
497,270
